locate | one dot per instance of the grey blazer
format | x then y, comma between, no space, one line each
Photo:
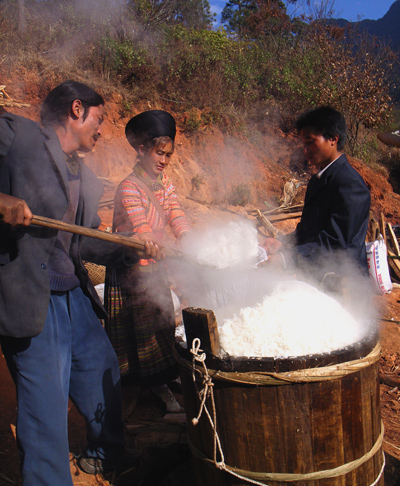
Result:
33,168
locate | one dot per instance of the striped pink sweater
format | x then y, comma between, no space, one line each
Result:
133,211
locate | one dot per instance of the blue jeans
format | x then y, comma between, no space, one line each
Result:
72,357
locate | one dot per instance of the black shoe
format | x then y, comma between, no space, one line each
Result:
120,463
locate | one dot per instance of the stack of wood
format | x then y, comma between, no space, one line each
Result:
281,213
6,100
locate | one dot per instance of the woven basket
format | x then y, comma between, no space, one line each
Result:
97,273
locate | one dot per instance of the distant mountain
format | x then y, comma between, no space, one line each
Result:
388,27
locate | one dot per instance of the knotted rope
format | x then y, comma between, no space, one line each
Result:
207,391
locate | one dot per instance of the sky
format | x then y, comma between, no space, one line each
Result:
351,10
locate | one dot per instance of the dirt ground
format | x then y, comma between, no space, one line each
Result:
219,161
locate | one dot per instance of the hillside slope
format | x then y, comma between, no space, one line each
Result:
262,161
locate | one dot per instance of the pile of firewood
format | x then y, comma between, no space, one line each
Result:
266,218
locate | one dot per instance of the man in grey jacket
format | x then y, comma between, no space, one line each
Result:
50,331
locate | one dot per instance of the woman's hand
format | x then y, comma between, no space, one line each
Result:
14,211
153,248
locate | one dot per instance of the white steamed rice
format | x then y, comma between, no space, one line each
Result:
295,320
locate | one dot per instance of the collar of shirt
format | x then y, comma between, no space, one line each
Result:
73,163
319,174
142,175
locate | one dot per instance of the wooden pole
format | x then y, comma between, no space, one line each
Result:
272,231
394,264
284,216
393,240
382,226
128,241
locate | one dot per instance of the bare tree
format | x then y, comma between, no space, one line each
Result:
310,10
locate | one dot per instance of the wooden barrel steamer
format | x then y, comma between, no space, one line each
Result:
326,432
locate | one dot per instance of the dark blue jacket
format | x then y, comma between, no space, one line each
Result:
335,217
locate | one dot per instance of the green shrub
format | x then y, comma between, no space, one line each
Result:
197,181
193,120
239,195
225,80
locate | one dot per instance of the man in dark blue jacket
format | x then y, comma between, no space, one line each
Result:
50,331
332,230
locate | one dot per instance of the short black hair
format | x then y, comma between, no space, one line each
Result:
57,105
325,120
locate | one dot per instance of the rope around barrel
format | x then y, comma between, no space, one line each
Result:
252,476
265,378
256,477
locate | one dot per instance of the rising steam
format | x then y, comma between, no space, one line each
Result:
264,312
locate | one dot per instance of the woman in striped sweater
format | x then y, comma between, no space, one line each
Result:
141,318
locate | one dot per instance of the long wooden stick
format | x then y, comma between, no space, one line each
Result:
393,239
382,227
98,234
284,216
272,231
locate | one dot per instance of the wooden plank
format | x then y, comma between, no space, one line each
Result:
382,225
351,413
393,266
393,240
279,210
327,427
371,420
374,229
201,323
283,217
271,230
392,380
